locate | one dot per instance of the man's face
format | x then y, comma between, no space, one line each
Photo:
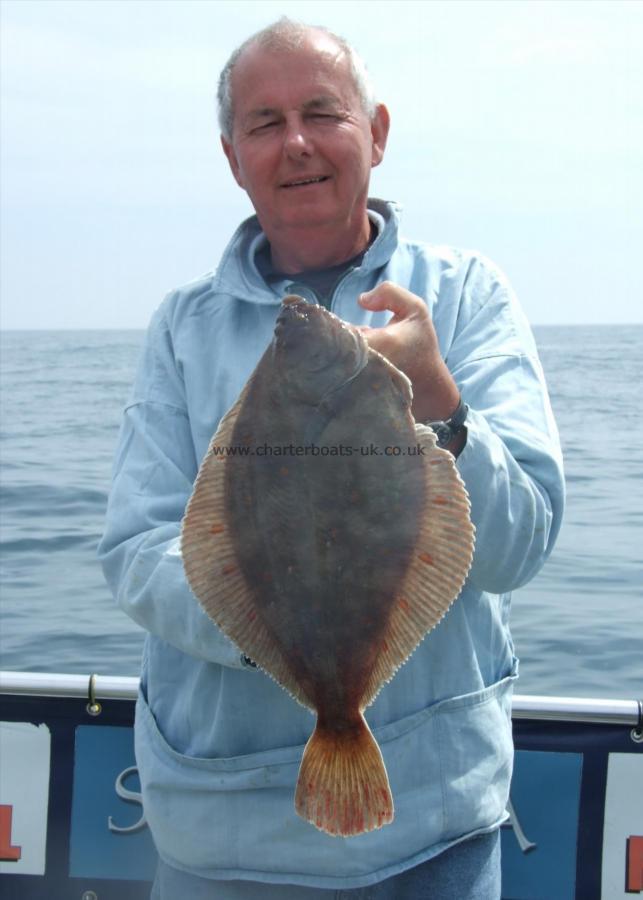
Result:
302,146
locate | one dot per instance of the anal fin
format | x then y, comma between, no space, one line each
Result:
439,566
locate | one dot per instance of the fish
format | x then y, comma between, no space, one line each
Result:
326,535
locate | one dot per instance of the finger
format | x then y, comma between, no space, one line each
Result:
398,300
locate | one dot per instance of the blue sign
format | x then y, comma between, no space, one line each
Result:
539,843
109,836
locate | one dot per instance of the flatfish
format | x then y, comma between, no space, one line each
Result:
326,535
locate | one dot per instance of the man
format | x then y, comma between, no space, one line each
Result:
218,743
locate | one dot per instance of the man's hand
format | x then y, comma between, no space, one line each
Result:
410,343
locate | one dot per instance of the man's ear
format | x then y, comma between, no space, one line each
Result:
380,124
231,156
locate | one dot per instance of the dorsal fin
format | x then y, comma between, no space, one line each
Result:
212,568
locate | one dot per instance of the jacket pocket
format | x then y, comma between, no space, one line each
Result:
449,766
476,749
205,813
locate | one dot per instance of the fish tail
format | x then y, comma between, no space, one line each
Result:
343,787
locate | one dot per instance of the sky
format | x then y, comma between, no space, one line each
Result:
517,130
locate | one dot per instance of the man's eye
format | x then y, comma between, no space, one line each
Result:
264,126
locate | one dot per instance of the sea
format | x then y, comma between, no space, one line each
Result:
577,626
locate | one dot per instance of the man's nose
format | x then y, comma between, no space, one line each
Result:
297,141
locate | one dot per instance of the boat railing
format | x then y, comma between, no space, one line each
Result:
525,706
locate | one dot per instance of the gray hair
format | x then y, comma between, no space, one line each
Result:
284,35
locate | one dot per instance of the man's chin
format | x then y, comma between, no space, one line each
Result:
309,217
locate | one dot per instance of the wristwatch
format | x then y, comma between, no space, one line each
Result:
446,431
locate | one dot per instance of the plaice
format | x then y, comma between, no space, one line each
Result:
326,535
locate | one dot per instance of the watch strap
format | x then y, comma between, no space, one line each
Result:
447,429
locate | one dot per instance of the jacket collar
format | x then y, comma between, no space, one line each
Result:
238,275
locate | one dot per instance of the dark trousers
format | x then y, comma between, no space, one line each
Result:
468,871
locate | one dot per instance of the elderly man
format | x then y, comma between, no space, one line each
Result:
218,743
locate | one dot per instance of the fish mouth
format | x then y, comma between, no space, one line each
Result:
295,307
291,300
304,181
308,328
295,310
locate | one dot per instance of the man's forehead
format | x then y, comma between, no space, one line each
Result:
327,74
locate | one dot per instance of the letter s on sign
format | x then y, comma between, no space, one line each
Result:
129,797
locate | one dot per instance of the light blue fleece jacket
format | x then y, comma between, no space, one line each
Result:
218,744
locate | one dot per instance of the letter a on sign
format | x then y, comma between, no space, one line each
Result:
8,853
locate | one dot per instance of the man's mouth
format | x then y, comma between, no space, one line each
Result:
300,182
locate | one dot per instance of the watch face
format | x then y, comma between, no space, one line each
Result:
443,433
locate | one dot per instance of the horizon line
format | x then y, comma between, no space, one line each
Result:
4,330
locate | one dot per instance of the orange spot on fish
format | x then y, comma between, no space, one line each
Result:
404,603
426,558
384,647
217,529
252,615
440,501
229,569
376,385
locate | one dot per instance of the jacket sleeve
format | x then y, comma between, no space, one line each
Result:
154,470
512,461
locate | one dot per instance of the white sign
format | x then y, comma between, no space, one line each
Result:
24,795
623,831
